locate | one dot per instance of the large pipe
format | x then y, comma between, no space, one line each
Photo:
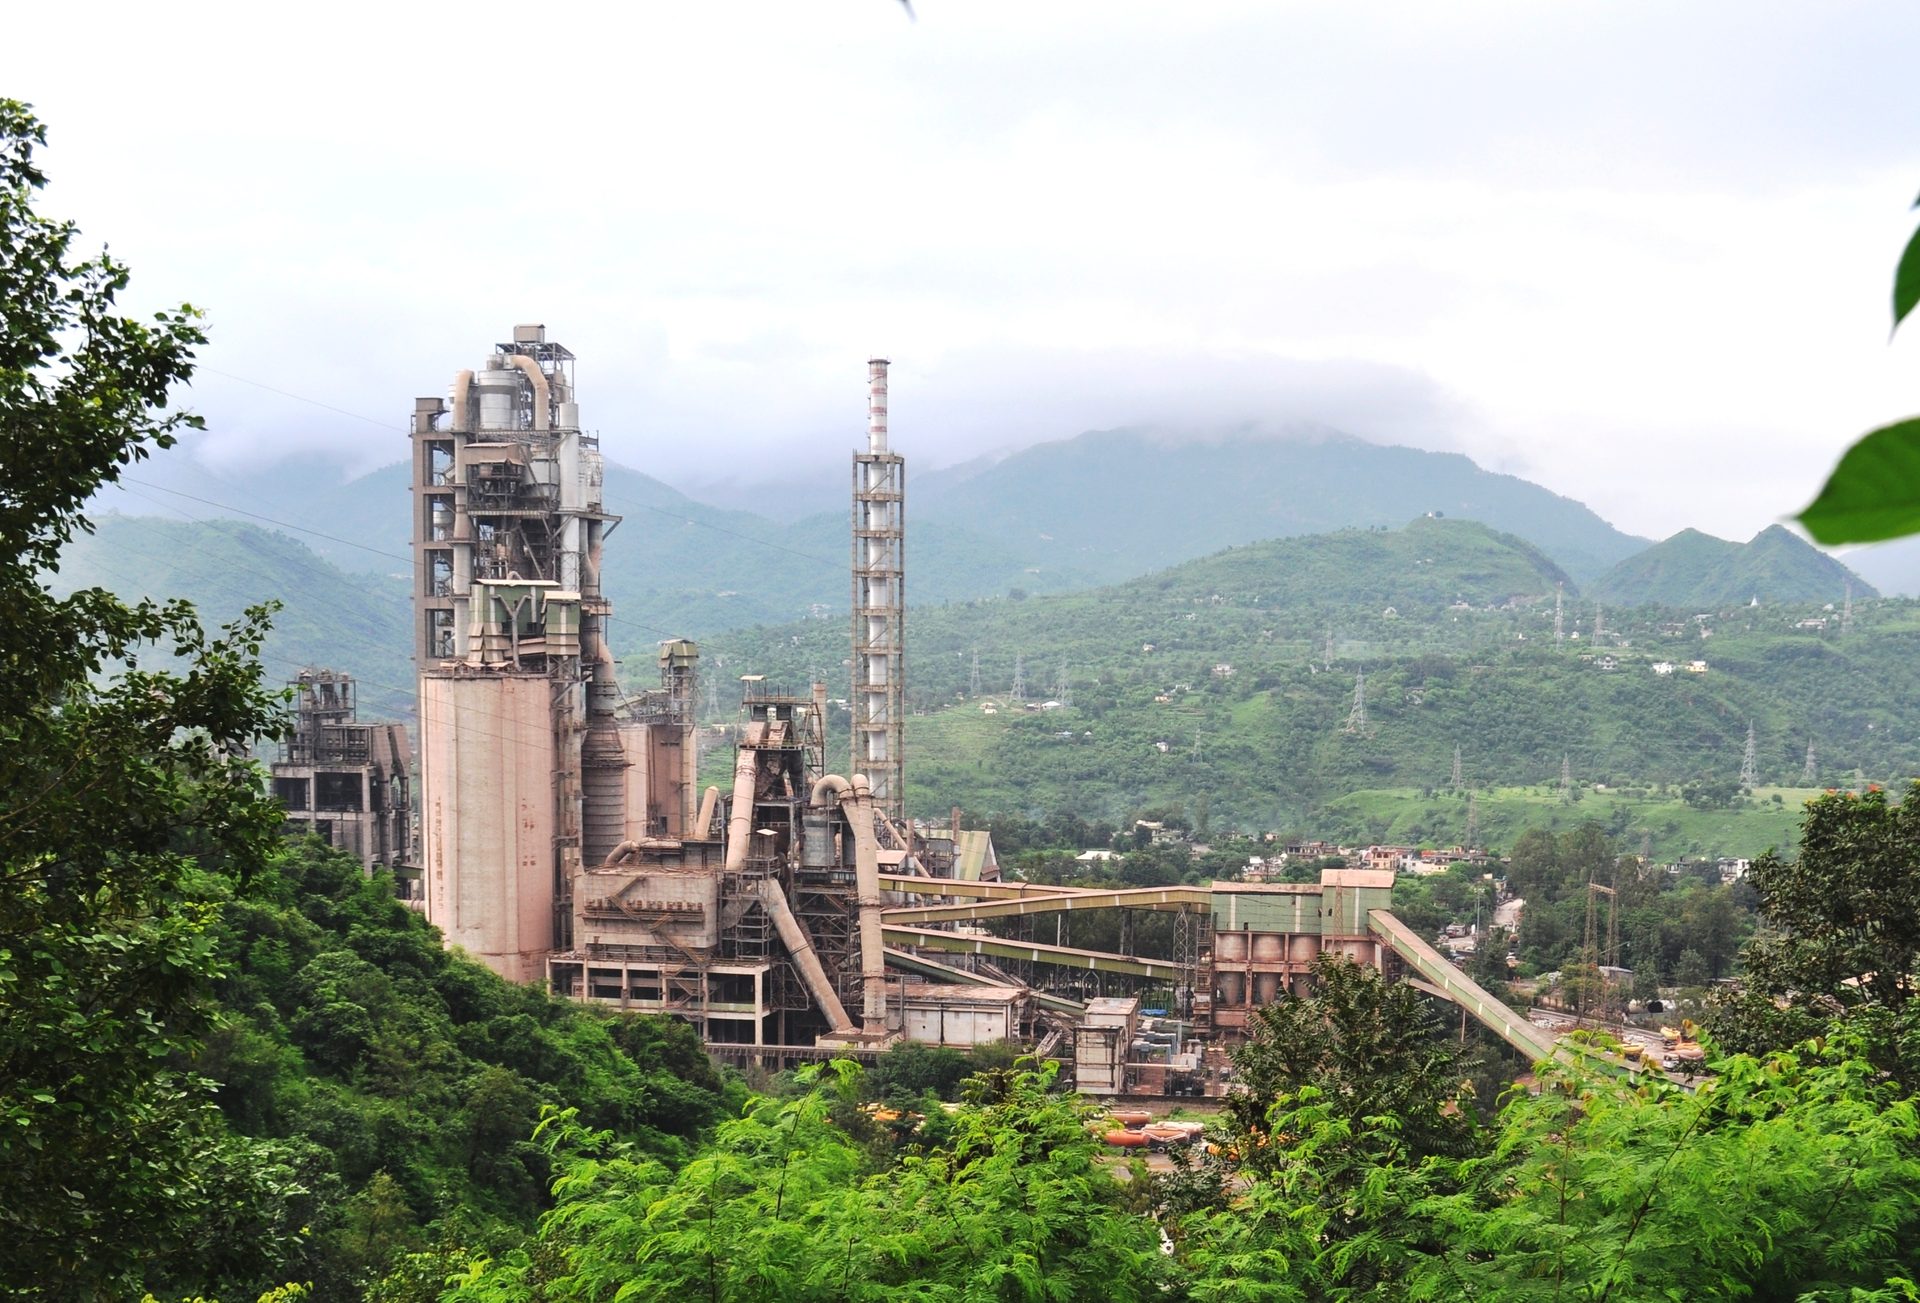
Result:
539,378
856,799
462,392
629,850
746,770
708,801
800,949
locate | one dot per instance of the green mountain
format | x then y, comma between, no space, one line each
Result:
1697,570
357,623
1212,682
1123,502
1057,517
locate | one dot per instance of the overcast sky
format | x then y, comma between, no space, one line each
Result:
1637,252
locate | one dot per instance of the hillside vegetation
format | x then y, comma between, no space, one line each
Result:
1700,572
1212,682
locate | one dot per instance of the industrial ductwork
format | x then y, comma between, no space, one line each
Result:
856,799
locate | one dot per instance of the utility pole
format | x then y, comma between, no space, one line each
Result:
1357,717
1747,760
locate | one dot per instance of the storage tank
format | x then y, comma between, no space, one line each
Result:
1230,988
1230,947
486,801
1266,988
1269,948
1303,948
499,395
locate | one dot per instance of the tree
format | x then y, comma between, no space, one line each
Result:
1367,1047
119,780
1841,943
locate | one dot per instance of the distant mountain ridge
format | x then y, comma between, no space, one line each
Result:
1097,509
1696,569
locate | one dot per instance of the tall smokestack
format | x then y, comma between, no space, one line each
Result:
879,606
877,405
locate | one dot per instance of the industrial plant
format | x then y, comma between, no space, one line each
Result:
799,912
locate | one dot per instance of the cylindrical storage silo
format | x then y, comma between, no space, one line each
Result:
1266,988
1303,948
1230,989
1269,947
486,812
1230,947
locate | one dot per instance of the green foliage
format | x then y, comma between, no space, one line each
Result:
1013,1205
1842,940
120,778
1874,493
411,1080
1360,1046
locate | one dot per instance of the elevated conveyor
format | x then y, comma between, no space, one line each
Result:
1438,973
1095,961
940,972
910,884
1054,902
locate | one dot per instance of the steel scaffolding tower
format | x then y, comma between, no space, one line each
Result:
879,607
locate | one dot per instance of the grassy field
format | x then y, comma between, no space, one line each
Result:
1668,827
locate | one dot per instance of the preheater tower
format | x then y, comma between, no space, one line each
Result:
523,763
879,607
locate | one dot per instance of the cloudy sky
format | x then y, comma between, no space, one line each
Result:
1638,252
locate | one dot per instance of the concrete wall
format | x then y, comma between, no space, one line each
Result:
487,816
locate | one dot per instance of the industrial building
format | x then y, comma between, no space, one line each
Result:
347,782
795,912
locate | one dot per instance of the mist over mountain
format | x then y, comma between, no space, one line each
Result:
1053,517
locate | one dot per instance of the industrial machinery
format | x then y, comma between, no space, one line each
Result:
348,782
798,912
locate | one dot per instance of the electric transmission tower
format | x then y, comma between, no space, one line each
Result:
1810,771
1748,758
1063,689
1473,819
1357,717
1599,623
1196,746
1456,767
973,675
1846,612
1326,656
1019,678
1566,776
1560,613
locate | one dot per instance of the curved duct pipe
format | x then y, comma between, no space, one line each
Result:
740,822
800,949
630,850
539,378
856,799
462,392
709,801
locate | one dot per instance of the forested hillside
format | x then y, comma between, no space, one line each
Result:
1233,678
377,1095
1701,572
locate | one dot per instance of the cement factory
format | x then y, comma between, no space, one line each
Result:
799,913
